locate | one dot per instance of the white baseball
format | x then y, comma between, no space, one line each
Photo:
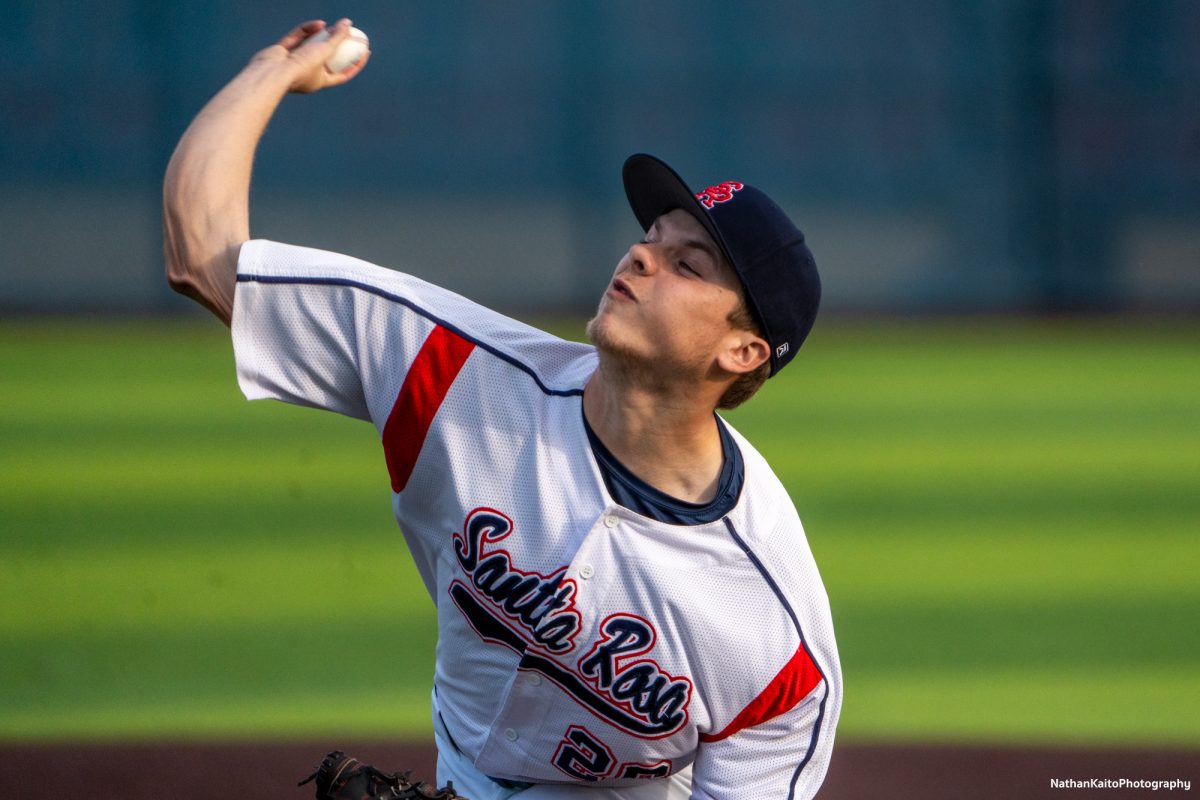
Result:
349,52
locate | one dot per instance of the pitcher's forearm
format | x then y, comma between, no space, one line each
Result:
211,165
206,193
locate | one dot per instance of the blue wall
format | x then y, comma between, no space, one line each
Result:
941,156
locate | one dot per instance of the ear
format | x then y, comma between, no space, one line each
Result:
742,352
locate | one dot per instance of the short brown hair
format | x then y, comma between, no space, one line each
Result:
746,385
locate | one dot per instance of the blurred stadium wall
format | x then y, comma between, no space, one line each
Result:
942,156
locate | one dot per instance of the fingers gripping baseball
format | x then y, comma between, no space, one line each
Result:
306,55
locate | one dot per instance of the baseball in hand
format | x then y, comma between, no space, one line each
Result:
349,52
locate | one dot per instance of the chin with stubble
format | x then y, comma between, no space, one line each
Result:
618,356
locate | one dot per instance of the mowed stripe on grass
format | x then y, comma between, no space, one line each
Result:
1004,513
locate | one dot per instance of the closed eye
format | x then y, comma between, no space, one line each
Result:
686,266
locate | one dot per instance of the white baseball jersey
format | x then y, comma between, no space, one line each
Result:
578,641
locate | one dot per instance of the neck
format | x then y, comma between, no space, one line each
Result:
663,433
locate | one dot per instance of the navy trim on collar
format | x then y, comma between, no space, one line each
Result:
635,494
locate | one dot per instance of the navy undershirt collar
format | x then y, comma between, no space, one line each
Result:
635,494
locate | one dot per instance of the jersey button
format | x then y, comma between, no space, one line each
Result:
586,571
510,734
534,679
611,521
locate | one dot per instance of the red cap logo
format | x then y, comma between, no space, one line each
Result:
721,193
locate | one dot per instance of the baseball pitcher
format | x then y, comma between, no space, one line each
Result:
627,605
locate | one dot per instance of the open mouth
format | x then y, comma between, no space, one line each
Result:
620,287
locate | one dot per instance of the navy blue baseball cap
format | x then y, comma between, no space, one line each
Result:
761,243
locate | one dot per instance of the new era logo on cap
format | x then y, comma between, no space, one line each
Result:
721,193
781,351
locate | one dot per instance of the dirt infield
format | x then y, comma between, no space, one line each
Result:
860,772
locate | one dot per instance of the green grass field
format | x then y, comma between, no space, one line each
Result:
1005,512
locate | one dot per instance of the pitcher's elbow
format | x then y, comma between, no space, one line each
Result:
180,282
178,274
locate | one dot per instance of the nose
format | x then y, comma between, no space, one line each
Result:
641,258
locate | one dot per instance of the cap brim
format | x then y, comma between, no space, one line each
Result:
654,189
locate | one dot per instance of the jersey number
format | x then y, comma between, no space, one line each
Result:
584,757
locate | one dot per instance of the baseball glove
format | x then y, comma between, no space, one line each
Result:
340,777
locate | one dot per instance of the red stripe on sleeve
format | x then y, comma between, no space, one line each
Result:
793,683
430,377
